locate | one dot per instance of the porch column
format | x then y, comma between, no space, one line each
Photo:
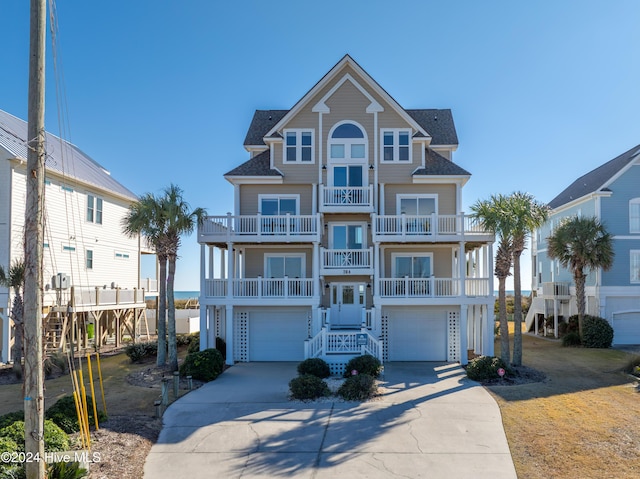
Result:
462,268
229,336
464,334
490,269
204,330
488,327
211,260
230,270
6,334
376,271
211,333
315,271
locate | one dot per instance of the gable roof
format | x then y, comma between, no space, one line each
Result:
259,165
597,179
262,122
437,165
62,157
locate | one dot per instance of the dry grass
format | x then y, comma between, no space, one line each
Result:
582,421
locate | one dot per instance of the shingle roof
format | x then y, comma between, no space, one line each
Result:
62,156
595,179
436,164
438,123
259,165
262,122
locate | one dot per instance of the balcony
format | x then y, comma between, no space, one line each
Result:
263,288
81,299
346,199
346,261
556,290
260,229
432,287
428,228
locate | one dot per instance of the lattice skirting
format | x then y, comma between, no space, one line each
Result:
453,328
241,337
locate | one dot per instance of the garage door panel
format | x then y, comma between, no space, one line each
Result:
626,327
417,336
277,335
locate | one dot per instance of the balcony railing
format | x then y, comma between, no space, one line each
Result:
347,261
351,342
275,288
99,297
260,228
426,227
556,290
346,198
432,287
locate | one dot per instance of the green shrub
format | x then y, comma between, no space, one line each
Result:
308,386
139,351
55,439
56,363
64,414
194,343
365,364
632,366
572,324
203,365
66,470
571,339
484,368
183,340
13,471
358,388
596,332
7,444
221,346
314,366
10,418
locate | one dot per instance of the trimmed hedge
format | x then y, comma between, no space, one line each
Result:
484,368
203,365
359,387
365,364
308,386
314,366
596,332
139,351
571,339
55,439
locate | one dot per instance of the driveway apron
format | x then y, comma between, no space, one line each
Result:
430,422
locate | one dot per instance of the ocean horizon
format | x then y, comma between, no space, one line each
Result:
181,295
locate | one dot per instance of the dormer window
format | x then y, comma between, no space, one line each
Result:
396,145
298,146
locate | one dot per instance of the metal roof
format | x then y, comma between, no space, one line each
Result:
63,157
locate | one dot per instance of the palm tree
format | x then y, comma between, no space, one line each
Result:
580,244
14,279
527,215
179,220
494,216
145,217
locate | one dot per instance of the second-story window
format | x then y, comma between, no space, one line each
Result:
94,209
396,145
634,215
298,146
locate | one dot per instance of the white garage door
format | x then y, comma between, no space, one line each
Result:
626,328
417,335
277,335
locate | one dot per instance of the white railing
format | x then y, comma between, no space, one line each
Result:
313,347
346,258
419,287
346,195
368,316
325,317
476,287
103,297
426,225
149,284
215,288
331,342
266,226
556,289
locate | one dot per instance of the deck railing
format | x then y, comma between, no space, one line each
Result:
96,296
265,227
261,288
341,259
427,226
419,287
556,289
346,196
343,342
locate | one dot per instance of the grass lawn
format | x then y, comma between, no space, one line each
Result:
582,421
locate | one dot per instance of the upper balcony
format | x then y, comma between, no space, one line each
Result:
260,229
346,199
429,229
346,261
556,290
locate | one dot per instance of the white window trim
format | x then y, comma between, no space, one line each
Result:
279,197
347,142
631,254
396,145
303,262
363,165
348,223
405,196
633,201
409,255
86,259
121,255
94,209
298,132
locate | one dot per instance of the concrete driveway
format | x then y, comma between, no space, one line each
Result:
431,422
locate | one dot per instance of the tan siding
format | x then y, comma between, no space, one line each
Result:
249,196
254,260
446,196
442,260
296,172
401,172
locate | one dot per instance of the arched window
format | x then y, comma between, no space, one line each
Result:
634,215
347,141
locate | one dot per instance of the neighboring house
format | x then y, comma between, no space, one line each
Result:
347,236
611,193
84,206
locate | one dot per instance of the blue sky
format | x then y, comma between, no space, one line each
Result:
163,91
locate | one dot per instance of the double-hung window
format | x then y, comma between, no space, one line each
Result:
634,215
396,145
89,259
298,146
94,209
634,260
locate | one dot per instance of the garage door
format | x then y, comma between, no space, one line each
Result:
277,335
417,336
626,328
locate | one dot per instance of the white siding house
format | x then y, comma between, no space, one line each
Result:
84,207
348,236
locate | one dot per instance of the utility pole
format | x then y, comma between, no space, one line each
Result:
34,237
